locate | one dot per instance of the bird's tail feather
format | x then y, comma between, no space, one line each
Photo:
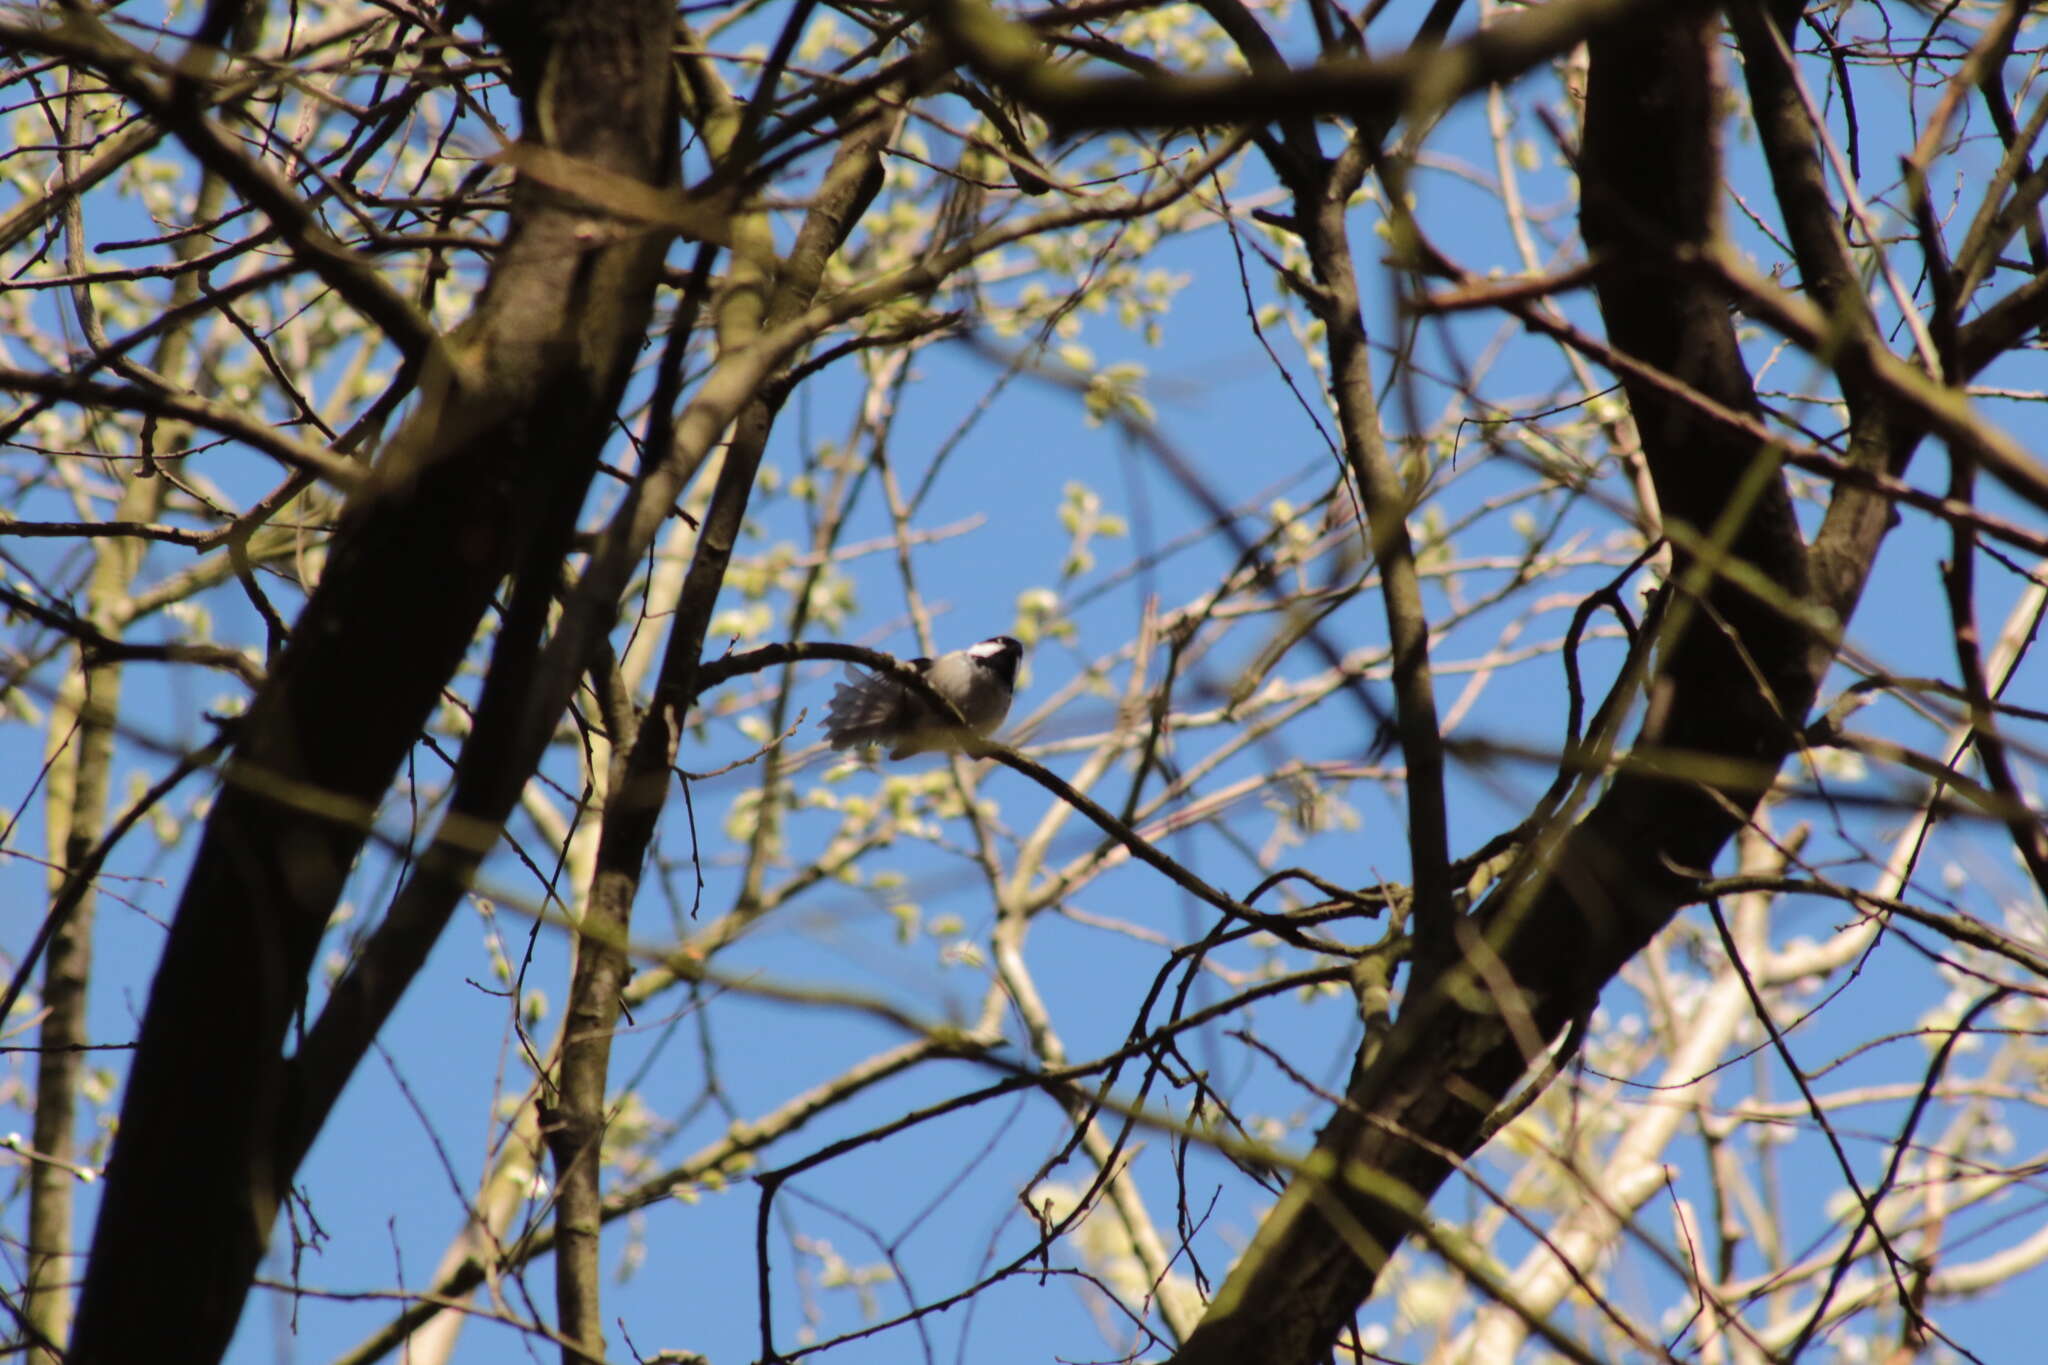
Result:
867,711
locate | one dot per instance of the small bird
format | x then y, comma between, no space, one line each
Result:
876,709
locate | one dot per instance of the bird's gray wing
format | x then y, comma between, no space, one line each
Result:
870,709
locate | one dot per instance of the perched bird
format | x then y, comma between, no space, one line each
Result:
876,709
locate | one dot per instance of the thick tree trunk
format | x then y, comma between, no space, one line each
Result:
495,461
1582,904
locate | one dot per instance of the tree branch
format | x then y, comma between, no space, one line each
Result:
478,474
1417,82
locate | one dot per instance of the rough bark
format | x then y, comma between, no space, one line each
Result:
1584,903
498,455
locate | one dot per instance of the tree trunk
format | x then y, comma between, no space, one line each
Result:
495,461
1539,950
